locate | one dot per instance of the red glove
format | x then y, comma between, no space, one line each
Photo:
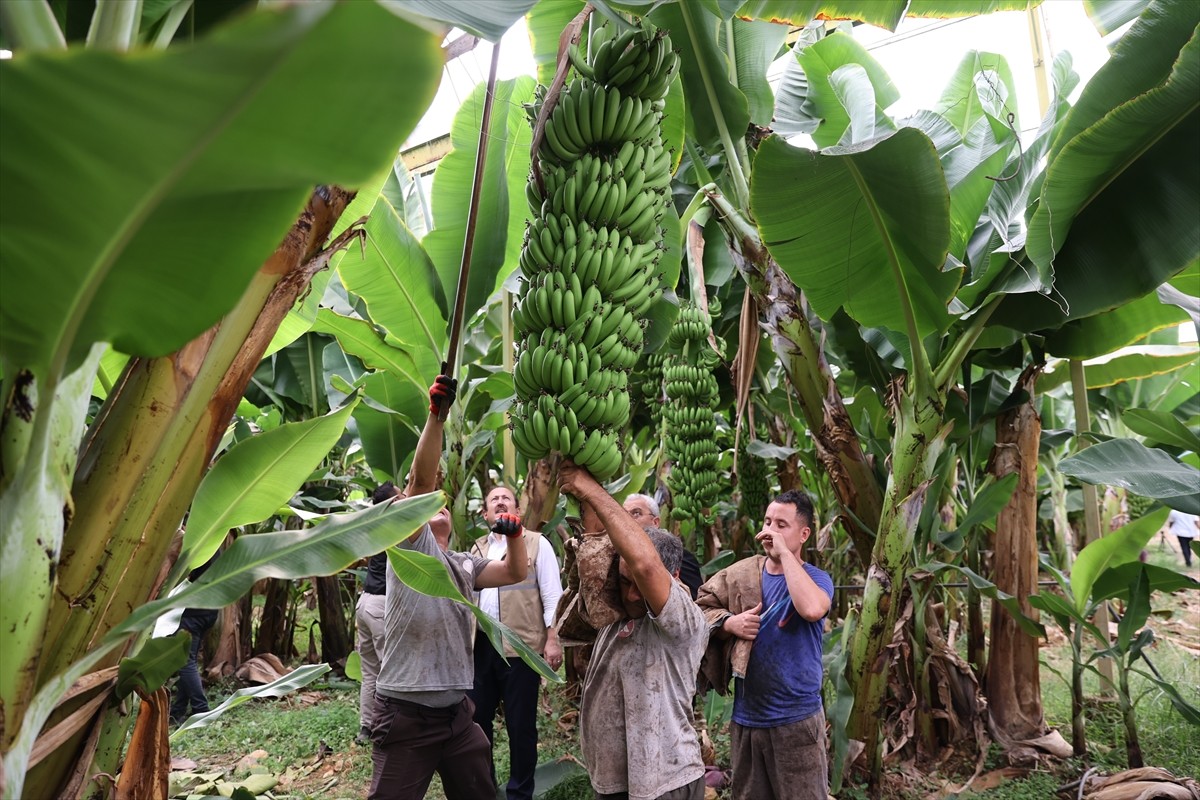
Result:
507,525
442,393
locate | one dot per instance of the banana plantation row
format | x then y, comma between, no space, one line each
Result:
961,342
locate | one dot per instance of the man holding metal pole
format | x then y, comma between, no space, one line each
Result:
424,721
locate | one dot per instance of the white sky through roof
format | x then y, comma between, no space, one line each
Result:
920,57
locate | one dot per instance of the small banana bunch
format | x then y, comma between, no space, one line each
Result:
649,382
1137,505
691,392
590,262
754,485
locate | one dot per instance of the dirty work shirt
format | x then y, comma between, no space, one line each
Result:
427,651
635,721
783,680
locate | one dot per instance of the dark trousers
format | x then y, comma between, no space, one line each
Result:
1185,544
413,741
516,685
189,691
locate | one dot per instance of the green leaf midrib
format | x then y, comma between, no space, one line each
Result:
920,366
306,433
125,233
408,297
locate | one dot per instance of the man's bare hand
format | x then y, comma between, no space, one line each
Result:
554,653
746,624
577,481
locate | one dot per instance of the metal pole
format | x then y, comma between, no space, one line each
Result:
464,270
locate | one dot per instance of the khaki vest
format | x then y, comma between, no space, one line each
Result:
521,603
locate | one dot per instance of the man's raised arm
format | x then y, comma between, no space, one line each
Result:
630,540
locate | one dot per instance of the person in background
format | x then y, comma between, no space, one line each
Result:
645,512
424,720
636,730
368,618
189,689
1185,527
528,609
766,614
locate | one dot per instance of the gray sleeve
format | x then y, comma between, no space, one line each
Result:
477,565
680,619
424,543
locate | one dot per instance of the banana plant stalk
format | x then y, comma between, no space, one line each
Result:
838,444
147,450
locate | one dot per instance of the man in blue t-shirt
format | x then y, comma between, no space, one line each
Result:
767,614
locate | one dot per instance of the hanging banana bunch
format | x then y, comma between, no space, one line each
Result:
754,485
649,383
691,392
590,263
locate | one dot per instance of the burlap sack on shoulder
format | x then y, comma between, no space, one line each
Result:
591,600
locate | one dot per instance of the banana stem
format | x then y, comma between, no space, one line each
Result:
32,26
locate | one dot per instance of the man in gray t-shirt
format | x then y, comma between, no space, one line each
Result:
424,720
635,719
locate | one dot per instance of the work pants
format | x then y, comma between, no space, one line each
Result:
784,763
693,791
368,617
413,741
189,690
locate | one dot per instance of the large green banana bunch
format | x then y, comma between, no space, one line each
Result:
691,392
590,264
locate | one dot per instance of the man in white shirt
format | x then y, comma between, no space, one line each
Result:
1185,527
528,608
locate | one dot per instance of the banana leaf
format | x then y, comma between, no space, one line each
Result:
982,83
1111,550
1142,470
487,18
396,279
256,477
1162,428
1108,15
500,225
154,664
823,102
221,141
285,685
717,109
428,576
1115,581
326,549
750,49
1106,332
545,22
864,228
1127,364
1126,151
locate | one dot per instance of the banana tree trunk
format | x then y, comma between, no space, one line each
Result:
335,636
1013,679
918,442
274,633
227,655
145,454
